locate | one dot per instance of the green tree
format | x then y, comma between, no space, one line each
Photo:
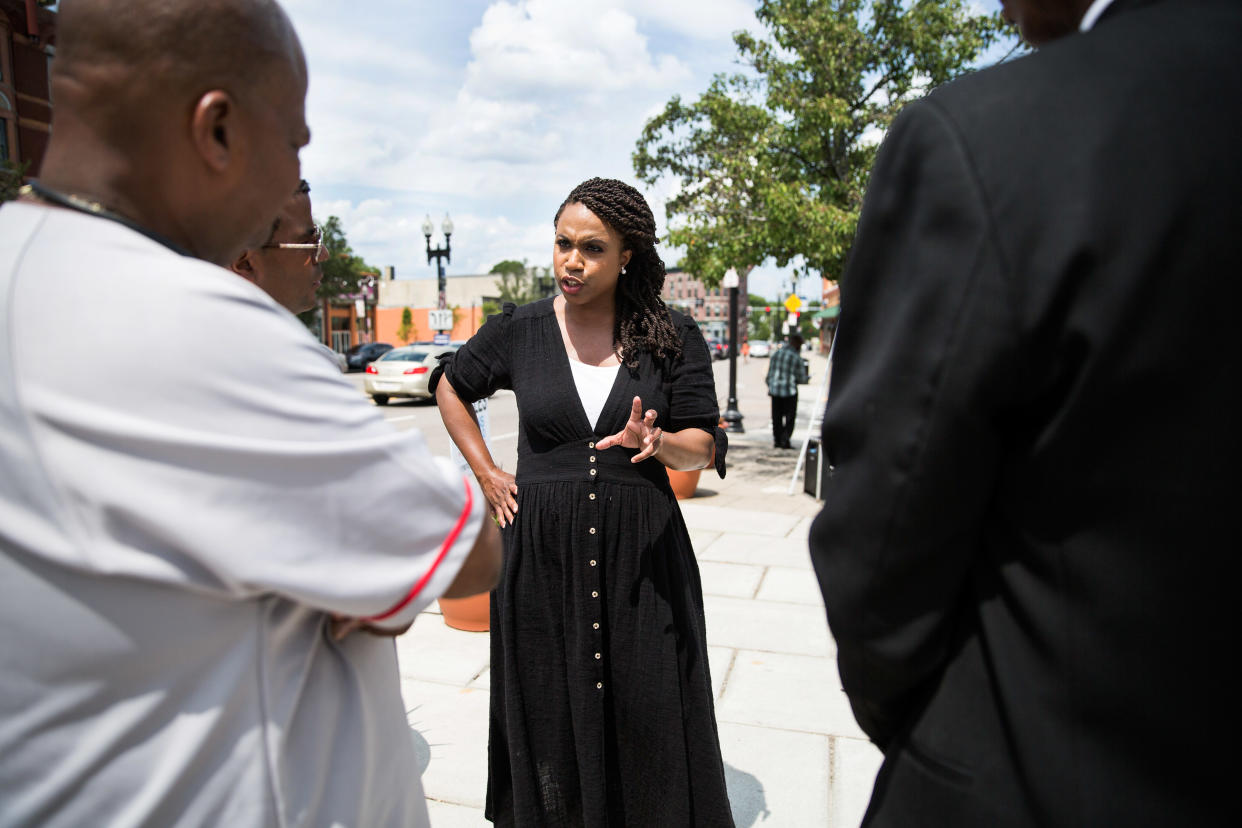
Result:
10,179
517,283
808,326
760,325
407,329
343,271
759,320
772,162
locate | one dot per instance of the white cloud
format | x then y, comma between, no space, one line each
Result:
491,111
545,75
390,233
699,19
577,48
511,131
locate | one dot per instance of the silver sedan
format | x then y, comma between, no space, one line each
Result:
403,372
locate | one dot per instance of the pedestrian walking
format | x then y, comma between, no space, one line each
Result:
786,371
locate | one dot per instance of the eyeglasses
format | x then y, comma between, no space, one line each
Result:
316,245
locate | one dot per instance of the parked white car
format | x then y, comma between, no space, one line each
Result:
403,372
760,348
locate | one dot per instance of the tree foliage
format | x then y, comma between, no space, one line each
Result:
407,329
518,283
11,174
343,271
772,162
759,325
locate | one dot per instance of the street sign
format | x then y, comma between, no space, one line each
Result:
440,320
793,303
440,338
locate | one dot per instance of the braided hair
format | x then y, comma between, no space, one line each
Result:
642,320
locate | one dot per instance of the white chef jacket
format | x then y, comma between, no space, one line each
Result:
188,489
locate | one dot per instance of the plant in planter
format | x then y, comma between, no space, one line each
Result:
684,483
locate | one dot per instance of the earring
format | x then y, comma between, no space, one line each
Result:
622,270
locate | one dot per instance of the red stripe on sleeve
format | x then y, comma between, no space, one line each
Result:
448,544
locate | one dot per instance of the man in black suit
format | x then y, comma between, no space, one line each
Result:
1028,548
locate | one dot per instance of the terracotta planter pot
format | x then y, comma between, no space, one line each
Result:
684,482
472,613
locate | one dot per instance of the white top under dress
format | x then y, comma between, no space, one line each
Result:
594,383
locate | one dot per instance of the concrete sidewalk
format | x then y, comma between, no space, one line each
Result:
793,754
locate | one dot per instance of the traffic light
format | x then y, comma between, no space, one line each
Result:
767,310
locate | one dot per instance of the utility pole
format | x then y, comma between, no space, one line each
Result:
732,417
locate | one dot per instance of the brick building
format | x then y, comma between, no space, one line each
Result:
707,306
27,45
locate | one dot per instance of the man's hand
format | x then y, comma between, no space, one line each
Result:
640,433
341,626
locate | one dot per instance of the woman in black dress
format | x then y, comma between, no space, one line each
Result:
601,702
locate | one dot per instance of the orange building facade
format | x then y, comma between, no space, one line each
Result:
388,321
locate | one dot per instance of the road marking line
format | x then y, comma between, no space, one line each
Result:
508,436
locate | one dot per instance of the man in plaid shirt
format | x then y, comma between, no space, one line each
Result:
786,371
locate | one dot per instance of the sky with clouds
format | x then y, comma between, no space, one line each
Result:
491,111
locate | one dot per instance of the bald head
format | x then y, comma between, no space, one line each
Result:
171,111
171,47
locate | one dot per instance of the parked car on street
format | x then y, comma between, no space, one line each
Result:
358,356
717,349
761,348
403,372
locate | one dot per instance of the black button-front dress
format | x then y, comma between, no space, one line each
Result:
601,702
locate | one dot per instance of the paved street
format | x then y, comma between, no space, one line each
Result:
793,753
502,410
423,415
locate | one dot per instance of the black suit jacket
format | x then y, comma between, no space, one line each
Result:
1029,543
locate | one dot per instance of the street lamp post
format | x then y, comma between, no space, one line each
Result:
440,254
732,417
370,298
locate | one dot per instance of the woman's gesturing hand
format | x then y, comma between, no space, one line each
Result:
640,433
500,489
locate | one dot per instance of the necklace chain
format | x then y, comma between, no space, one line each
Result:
81,204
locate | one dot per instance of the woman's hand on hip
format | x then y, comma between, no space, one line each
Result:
500,489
